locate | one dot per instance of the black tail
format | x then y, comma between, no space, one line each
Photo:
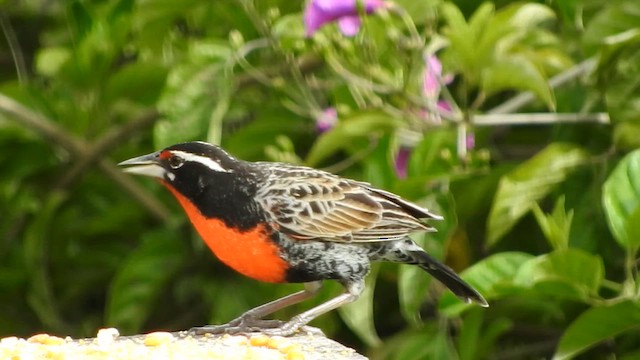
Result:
449,278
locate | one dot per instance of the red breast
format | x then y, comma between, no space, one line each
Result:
251,252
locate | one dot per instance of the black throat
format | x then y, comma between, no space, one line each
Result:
227,196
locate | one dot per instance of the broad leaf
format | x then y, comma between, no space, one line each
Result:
621,200
529,182
360,125
492,277
596,325
140,82
570,273
555,226
517,72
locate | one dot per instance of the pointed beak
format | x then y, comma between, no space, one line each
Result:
147,165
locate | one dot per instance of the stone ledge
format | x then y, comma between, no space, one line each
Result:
178,345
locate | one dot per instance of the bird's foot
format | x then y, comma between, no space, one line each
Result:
251,326
289,329
239,326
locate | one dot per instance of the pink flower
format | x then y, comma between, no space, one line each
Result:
327,120
402,162
431,87
432,74
433,78
321,12
470,141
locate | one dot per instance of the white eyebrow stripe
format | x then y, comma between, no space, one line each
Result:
206,161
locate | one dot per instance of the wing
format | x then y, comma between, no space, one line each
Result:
307,203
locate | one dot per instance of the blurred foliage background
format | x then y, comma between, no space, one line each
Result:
518,121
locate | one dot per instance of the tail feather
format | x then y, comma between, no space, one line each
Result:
449,278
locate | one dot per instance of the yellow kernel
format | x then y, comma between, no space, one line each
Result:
46,339
259,340
295,355
54,355
276,342
290,348
158,338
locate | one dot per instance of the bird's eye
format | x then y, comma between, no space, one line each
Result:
175,161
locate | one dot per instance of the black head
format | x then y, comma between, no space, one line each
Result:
186,162
216,183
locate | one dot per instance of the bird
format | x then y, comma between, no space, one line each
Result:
284,223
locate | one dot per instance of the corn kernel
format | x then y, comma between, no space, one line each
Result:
259,340
46,339
158,338
295,355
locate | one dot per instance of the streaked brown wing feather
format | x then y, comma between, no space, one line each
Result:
307,203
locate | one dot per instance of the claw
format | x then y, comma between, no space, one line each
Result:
239,326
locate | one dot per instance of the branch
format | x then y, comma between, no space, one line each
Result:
539,119
40,124
77,148
105,143
519,101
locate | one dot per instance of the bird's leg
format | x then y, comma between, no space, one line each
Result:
289,328
252,321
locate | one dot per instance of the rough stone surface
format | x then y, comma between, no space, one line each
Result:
108,344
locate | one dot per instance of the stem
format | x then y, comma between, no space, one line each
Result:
14,47
630,287
612,285
497,119
216,119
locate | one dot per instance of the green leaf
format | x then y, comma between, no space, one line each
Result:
426,158
570,273
359,314
517,72
479,335
464,54
359,125
596,325
626,135
492,277
140,282
529,182
527,15
555,226
613,36
617,18
420,11
195,94
50,60
141,82
619,74
621,200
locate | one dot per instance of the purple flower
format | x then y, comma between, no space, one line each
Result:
345,12
432,75
431,86
402,162
433,78
327,119
470,141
